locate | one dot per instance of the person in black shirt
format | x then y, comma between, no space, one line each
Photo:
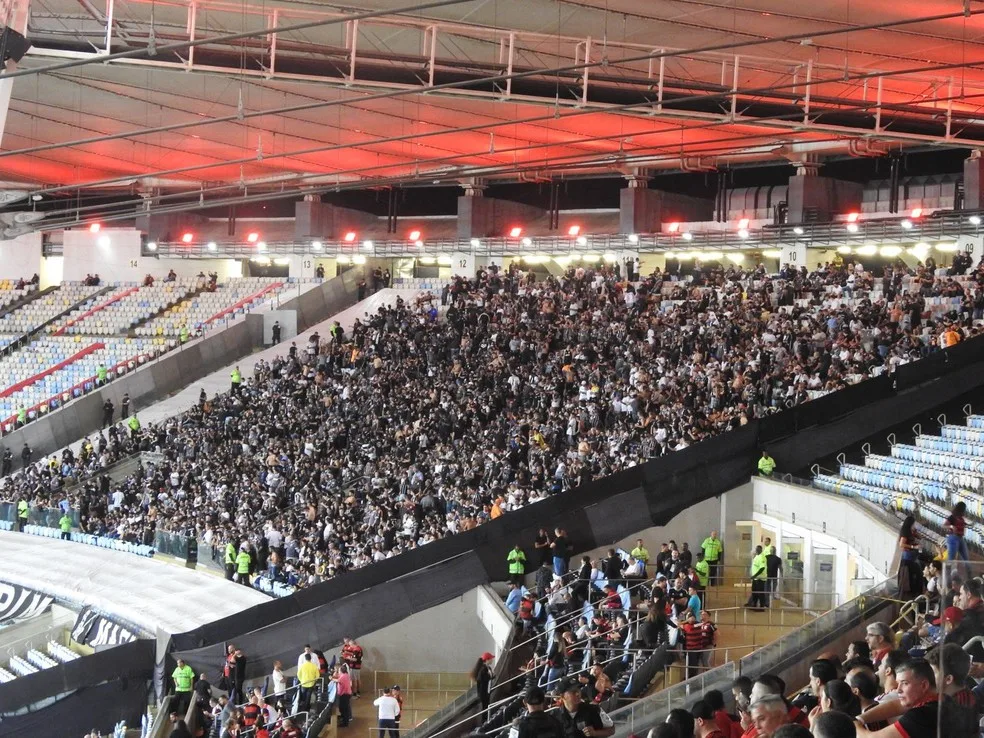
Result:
613,567
925,715
581,719
536,723
561,548
542,545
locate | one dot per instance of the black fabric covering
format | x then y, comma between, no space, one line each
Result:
132,661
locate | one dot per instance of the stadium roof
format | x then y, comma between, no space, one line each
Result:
198,96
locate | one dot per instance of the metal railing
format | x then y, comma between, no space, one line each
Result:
645,713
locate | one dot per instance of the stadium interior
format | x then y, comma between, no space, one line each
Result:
491,368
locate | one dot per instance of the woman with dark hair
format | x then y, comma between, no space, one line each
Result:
482,677
956,545
837,695
910,578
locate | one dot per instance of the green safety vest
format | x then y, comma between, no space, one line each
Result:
230,554
22,415
184,334
184,677
242,562
766,465
237,376
22,509
758,565
517,562
65,523
703,569
712,549
639,553
101,374
133,423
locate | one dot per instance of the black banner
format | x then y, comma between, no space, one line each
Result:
93,629
19,603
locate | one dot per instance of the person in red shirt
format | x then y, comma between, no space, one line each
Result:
729,728
705,724
289,730
352,656
251,712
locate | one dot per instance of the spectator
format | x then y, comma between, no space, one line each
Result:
307,677
581,718
481,677
387,711
880,641
910,576
972,622
834,724
180,730
768,713
536,723
278,682
955,526
343,683
561,552
705,723
352,656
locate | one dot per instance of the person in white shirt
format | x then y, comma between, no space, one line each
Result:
307,651
388,708
278,682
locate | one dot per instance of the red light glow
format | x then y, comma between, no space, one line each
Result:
187,237
253,237
515,232
673,227
414,235
916,212
853,217
94,228
350,236
743,224
574,230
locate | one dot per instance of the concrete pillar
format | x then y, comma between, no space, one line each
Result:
818,199
974,182
794,255
974,245
639,208
315,220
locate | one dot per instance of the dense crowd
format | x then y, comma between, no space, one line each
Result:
427,420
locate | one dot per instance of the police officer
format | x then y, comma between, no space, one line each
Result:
8,461
537,723
580,718
275,331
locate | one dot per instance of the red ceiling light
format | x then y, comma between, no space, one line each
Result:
917,212
743,224
414,235
187,237
94,227
515,232
350,236
853,217
673,227
253,237
574,230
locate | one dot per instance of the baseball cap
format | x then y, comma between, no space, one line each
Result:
534,696
571,685
952,615
487,656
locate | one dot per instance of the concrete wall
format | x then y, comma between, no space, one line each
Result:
113,253
21,256
449,637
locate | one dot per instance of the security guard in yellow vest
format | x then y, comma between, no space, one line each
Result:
230,560
760,597
22,512
243,563
766,465
237,379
